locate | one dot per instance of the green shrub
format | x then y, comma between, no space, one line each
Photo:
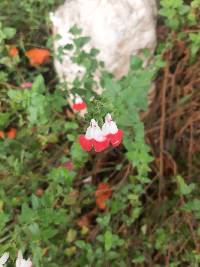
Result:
50,211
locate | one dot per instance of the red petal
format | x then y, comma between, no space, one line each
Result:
103,189
100,146
100,201
79,106
85,143
116,139
103,193
11,133
68,165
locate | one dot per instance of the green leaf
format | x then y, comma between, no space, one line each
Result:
27,214
9,32
80,244
71,235
81,41
184,189
138,259
4,218
108,239
94,52
68,47
35,231
75,30
35,202
39,85
78,155
4,119
136,62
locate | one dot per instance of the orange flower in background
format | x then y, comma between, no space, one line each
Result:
37,56
13,51
102,194
11,133
2,134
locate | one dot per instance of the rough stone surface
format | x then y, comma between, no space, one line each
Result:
118,28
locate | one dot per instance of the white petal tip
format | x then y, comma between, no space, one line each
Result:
93,122
108,117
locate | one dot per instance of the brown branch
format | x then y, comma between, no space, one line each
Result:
162,128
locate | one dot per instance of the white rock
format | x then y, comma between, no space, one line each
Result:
118,28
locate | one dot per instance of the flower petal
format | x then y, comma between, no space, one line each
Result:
116,139
85,143
37,56
79,106
68,165
103,189
103,193
101,202
4,258
11,133
100,145
13,51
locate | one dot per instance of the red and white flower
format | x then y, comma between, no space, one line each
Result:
3,259
111,132
79,104
93,138
20,262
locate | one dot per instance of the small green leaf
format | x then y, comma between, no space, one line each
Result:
136,62
71,235
68,47
81,41
9,32
108,239
75,30
184,189
4,119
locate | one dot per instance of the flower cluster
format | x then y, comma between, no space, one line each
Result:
100,139
20,262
